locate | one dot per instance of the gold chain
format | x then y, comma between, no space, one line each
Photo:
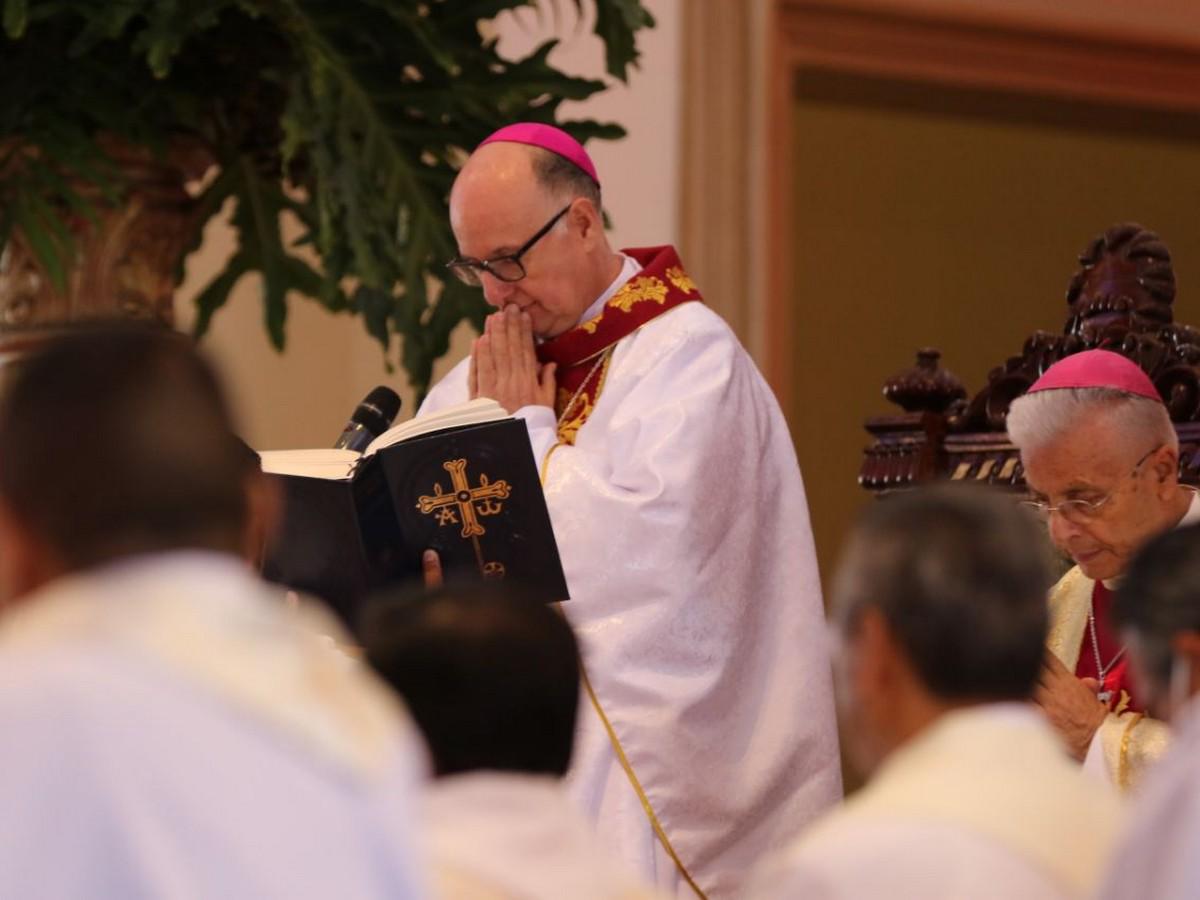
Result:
579,390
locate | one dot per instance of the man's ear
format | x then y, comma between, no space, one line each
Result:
585,219
26,563
867,696
264,511
875,651
1165,469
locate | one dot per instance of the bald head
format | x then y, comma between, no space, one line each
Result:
512,167
504,195
500,168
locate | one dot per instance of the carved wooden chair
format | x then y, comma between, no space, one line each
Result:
1119,299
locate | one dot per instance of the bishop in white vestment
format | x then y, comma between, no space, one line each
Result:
1101,459
708,736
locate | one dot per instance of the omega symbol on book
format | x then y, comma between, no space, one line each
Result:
464,501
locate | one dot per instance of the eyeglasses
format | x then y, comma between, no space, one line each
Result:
1079,510
505,268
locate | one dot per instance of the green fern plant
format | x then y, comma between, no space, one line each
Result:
353,115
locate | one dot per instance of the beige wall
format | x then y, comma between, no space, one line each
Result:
957,229
302,397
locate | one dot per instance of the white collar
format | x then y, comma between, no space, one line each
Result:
1192,516
629,268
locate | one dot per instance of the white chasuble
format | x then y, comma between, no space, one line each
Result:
171,730
982,804
1127,742
503,836
1156,857
681,520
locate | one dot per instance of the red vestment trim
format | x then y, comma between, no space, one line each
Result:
580,353
1118,680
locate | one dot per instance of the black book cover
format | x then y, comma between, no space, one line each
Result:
471,493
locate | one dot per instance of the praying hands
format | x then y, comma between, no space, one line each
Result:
504,364
1070,704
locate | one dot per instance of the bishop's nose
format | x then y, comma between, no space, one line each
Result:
1062,530
496,292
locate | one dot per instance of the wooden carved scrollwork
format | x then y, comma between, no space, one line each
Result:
1119,299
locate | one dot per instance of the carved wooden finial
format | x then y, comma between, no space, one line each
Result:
925,387
1125,278
1119,299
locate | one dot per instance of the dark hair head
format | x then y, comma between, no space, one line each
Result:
960,576
491,676
1159,597
116,440
562,178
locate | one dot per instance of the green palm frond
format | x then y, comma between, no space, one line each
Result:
350,116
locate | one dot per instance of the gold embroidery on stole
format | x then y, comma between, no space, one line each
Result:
585,402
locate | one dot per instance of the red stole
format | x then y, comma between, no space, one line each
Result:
583,353
1118,679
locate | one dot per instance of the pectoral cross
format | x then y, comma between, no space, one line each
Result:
469,502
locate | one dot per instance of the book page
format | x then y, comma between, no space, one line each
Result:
317,463
473,412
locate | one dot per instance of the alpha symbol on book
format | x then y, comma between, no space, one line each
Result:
463,500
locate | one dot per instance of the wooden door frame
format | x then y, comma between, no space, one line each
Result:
740,65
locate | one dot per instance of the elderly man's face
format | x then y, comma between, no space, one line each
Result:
1091,463
495,208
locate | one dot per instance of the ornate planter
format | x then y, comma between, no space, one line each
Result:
126,263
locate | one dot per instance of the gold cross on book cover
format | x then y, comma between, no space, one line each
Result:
462,482
469,502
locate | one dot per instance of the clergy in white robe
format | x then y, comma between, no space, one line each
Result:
708,735
940,611
1101,459
171,728
1157,611
492,679
495,835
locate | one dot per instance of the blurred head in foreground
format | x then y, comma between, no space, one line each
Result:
491,677
116,442
1157,610
939,603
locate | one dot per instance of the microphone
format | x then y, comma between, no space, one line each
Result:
370,419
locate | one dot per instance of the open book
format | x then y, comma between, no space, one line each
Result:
462,482
322,463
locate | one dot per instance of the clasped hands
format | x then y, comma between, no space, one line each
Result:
504,367
504,363
1071,705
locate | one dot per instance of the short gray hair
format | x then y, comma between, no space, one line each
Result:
561,178
1038,419
960,574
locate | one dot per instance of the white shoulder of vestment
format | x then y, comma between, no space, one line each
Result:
692,326
694,318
